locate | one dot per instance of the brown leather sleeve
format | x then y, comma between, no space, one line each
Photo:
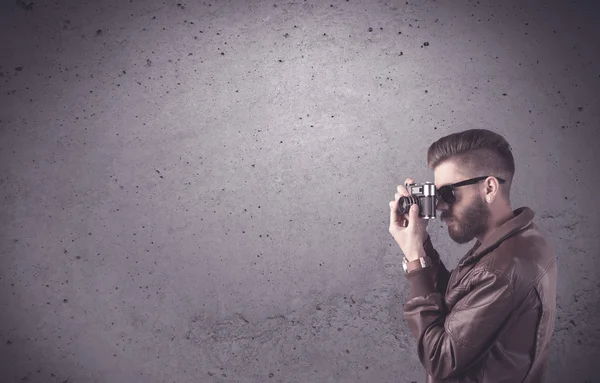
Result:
441,274
448,343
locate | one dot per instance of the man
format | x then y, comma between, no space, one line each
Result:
491,320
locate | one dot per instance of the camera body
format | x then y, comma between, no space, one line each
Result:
424,195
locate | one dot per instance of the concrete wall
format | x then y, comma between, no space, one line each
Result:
198,191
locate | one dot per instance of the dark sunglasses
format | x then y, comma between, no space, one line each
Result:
446,192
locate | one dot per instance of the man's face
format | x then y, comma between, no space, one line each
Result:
469,215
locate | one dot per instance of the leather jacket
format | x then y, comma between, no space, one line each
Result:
491,320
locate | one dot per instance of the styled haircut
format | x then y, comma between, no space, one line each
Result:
476,153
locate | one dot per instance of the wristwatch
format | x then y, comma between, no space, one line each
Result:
418,263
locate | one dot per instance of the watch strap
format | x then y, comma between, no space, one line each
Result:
418,263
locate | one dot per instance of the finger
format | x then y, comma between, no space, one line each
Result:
409,181
393,214
402,189
413,213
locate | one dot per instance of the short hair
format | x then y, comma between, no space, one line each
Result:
476,153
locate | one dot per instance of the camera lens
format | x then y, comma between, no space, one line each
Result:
405,203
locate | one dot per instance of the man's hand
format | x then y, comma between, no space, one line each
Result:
410,238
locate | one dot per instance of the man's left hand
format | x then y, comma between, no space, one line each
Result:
410,238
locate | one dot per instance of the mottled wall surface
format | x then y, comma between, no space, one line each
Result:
198,191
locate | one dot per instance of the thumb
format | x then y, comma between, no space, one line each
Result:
414,212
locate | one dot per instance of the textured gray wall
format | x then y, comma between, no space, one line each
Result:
198,192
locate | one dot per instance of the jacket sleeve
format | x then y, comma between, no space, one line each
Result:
440,274
449,342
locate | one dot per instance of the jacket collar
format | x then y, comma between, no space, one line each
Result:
522,219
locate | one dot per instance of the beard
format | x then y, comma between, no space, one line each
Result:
473,222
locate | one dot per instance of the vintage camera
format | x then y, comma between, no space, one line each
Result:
424,195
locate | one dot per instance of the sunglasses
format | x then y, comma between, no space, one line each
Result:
446,192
